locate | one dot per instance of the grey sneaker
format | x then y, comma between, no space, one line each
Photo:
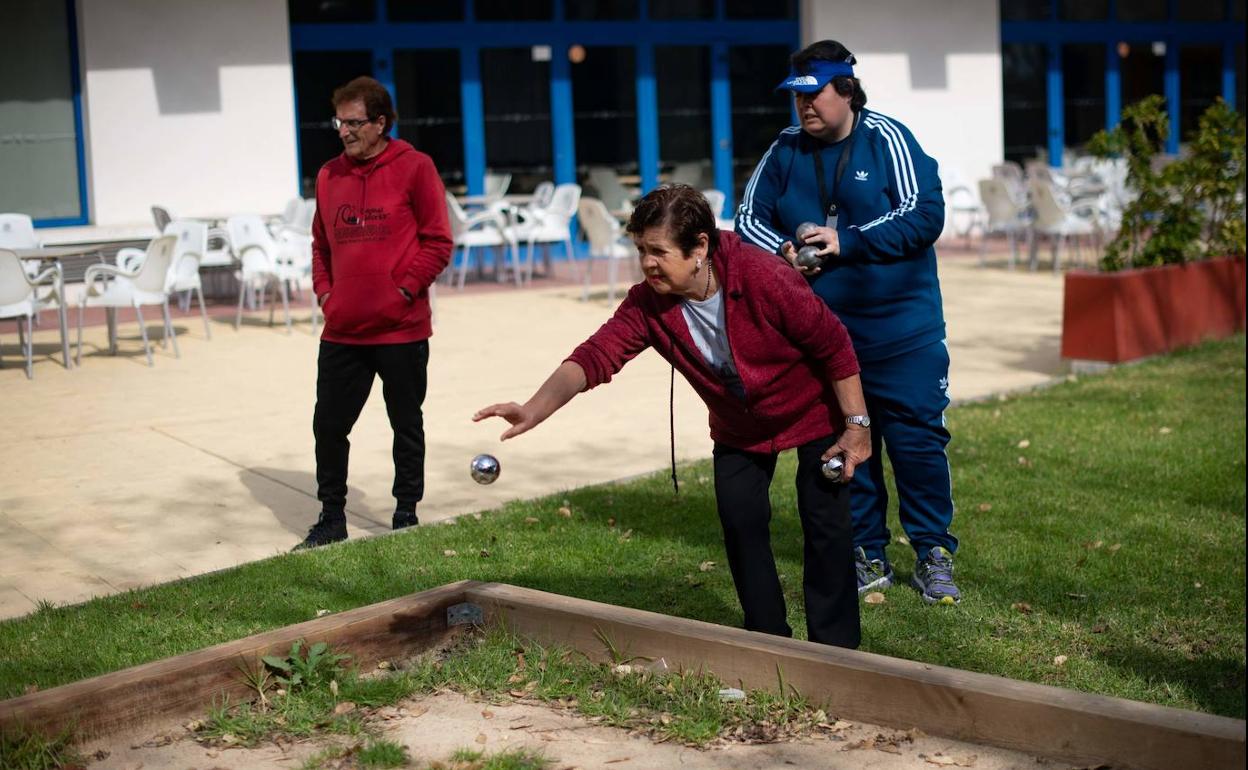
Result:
873,574
933,577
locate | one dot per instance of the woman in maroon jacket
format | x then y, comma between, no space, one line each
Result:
776,370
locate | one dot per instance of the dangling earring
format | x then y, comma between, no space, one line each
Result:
697,266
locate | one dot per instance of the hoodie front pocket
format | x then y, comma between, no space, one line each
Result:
360,304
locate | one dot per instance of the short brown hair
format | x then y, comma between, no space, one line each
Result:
682,210
376,99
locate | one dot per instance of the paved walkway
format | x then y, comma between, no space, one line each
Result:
115,475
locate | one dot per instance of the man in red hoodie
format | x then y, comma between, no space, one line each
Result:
379,240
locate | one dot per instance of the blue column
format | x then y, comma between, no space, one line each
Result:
562,132
1113,86
1057,114
1228,74
1172,95
383,70
721,124
473,109
647,118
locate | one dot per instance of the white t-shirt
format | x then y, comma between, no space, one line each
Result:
710,334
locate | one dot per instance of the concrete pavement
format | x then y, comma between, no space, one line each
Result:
114,475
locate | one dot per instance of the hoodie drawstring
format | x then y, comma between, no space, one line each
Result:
671,426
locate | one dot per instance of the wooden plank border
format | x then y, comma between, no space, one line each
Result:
979,708
187,684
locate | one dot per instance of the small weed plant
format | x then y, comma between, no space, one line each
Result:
29,750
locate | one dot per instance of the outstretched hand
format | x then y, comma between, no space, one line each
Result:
854,444
520,419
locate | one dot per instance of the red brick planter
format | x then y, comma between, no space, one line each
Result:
1136,313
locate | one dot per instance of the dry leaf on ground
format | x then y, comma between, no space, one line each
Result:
706,566
875,597
1022,607
1024,444
1060,660
565,512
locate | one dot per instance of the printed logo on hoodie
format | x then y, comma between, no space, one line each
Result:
352,225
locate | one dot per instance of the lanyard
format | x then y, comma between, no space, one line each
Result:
826,200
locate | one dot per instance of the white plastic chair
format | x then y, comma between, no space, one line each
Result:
615,196
112,287
606,241
17,231
1060,221
264,263
1004,216
184,277
481,229
716,198
23,296
496,184
543,226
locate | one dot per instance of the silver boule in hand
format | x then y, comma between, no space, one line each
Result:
805,229
484,469
833,468
809,257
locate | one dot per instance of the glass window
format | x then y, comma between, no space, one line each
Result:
1083,10
425,10
1200,83
752,9
685,114
1239,79
682,9
1201,10
604,108
514,10
1143,70
1083,91
1141,10
38,139
1025,91
317,74
331,11
515,90
758,111
1026,10
426,85
600,10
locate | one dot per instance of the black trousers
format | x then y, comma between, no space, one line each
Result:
742,480
343,381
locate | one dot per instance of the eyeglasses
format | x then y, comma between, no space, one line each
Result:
352,124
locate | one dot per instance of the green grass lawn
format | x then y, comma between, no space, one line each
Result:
1101,520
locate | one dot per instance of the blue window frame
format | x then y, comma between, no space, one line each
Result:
384,33
1162,35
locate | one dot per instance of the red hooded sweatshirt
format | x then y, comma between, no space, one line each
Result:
787,346
381,225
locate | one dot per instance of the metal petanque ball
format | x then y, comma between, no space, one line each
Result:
805,229
808,257
833,468
484,469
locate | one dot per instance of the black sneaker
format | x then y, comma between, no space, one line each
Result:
404,519
327,529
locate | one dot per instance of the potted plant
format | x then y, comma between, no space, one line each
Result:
1174,274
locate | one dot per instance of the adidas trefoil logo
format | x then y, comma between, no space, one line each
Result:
943,382
861,176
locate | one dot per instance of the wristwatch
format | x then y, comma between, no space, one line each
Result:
862,420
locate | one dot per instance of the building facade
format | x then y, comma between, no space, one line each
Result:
110,106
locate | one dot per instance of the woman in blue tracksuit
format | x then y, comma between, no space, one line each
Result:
876,197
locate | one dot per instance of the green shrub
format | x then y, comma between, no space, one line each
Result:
1191,208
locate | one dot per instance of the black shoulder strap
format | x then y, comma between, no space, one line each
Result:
826,199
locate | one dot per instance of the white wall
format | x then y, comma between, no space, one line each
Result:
187,104
935,65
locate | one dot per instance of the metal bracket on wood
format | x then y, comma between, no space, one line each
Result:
464,614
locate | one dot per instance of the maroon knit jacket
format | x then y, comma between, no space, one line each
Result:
787,346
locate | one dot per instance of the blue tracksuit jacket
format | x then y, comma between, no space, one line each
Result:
883,286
